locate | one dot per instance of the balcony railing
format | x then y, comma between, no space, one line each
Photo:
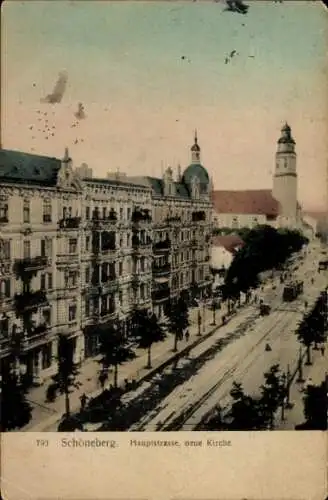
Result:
141,216
162,245
70,223
4,303
161,270
29,301
198,216
67,258
4,219
22,266
173,220
98,217
160,294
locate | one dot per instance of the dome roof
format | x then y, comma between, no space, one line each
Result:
196,170
286,137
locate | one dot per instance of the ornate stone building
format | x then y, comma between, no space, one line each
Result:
78,253
181,212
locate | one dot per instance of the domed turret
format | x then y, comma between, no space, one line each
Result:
196,171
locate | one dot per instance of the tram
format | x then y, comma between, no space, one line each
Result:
292,291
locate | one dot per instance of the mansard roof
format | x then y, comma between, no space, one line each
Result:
25,168
157,186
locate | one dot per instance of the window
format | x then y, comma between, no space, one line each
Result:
46,313
87,213
43,281
50,281
128,239
71,312
104,212
5,249
46,356
87,274
87,243
121,241
87,307
46,248
47,211
72,245
70,279
129,213
26,249
120,268
120,297
4,327
64,212
4,211
234,224
26,211
121,213
5,287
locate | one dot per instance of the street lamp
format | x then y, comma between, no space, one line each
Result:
300,378
289,405
204,315
199,321
283,396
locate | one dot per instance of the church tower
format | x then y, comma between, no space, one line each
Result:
285,176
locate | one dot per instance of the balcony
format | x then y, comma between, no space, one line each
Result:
173,221
108,286
160,295
70,223
5,303
35,338
31,264
68,259
199,216
141,218
100,221
162,246
161,270
4,220
29,301
68,329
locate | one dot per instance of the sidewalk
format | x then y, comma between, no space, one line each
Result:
47,414
317,371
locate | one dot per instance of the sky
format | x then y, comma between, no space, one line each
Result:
150,73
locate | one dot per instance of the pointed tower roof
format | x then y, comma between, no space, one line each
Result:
195,146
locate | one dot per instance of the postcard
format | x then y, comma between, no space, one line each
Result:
164,250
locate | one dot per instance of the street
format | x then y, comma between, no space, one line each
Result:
180,395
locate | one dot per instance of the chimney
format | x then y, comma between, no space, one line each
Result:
84,171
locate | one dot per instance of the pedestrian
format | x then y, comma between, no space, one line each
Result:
187,335
322,349
83,400
308,383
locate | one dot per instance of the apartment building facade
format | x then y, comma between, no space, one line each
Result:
78,253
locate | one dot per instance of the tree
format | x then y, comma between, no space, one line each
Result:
264,248
178,320
245,413
272,393
114,350
16,411
65,378
315,407
147,331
